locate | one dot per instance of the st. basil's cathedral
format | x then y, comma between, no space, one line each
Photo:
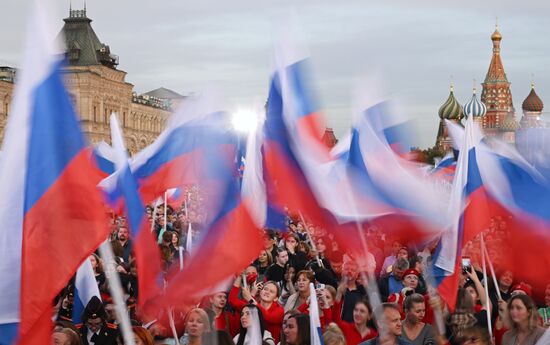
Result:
494,110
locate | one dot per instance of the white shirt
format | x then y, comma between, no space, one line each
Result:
267,338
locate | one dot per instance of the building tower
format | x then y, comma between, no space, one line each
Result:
450,110
532,109
496,93
476,109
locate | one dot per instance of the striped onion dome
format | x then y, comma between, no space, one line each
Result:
451,109
475,107
532,102
509,124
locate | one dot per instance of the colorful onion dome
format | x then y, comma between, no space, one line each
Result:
532,102
509,124
451,109
475,107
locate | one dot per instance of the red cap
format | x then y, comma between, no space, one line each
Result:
523,287
409,272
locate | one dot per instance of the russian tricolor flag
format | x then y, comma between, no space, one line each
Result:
104,156
85,287
470,210
229,228
123,184
51,212
177,157
524,194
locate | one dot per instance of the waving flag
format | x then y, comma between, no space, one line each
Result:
85,287
381,174
519,197
176,157
229,229
49,228
104,156
445,168
471,208
145,248
525,194
253,188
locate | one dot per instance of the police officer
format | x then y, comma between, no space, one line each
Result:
95,330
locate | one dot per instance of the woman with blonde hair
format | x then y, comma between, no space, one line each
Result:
522,320
333,335
197,327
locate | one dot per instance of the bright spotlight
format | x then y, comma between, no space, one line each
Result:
244,121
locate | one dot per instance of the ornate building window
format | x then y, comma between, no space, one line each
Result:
95,113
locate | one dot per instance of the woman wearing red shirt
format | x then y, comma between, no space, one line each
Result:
357,331
266,301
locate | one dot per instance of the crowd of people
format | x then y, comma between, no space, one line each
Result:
272,295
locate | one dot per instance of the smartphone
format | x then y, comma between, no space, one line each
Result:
319,286
466,264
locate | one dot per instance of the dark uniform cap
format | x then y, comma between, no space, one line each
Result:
94,309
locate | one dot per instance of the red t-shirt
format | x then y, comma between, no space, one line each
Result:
225,318
273,319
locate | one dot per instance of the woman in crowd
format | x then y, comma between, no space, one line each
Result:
414,330
522,320
359,330
142,336
464,317
303,279
296,331
288,287
97,266
333,335
263,261
410,279
475,288
197,327
247,322
266,301
328,297
286,316
296,258
271,310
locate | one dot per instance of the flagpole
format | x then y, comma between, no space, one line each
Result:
372,288
115,288
165,209
173,325
313,246
154,215
487,303
493,275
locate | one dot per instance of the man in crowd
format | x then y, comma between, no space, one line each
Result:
123,237
392,283
390,325
349,291
224,320
276,271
